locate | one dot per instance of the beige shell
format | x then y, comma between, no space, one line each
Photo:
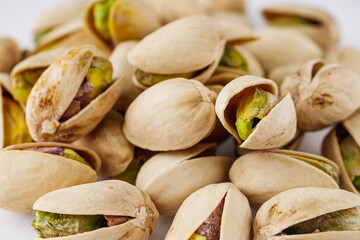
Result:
27,175
108,140
235,220
56,89
172,115
345,56
121,67
263,174
279,74
277,47
323,94
170,177
169,50
324,30
297,205
273,131
331,149
9,54
112,197
212,6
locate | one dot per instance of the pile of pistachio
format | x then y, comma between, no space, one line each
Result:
115,117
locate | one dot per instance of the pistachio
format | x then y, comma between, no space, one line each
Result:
232,58
101,14
279,74
289,21
345,56
9,54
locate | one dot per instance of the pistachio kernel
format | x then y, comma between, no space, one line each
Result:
285,21
150,79
40,34
233,59
101,14
351,156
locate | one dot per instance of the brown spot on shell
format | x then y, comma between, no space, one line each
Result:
322,101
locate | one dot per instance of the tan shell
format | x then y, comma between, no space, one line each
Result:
108,140
9,54
331,149
212,6
170,177
55,90
122,67
27,175
324,32
172,115
323,94
279,74
262,175
274,130
345,56
297,205
110,197
277,47
5,82
235,220
169,50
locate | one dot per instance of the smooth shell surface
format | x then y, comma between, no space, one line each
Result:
172,115
9,54
345,56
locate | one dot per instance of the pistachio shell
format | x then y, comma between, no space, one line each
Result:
111,197
297,205
323,94
235,220
5,82
56,89
345,56
108,140
27,175
9,54
274,130
279,74
170,177
172,115
262,175
277,47
212,6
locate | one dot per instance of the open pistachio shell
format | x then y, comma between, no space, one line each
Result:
345,56
168,50
54,92
277,47
108,140
276,129
301,204
9,54
317,24
170,177
323,94
172,115
263,174
112,197
235,218
121,67
27,174
279,74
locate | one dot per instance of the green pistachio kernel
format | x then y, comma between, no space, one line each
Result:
101,14
99,75
285,21
71,154
150,79
351,156
49,225
233,59
250,111
40,34
196,236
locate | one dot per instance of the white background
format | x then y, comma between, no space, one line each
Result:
15,21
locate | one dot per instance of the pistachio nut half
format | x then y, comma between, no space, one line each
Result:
113,21
323,94
247,109
168,52
342,145
170,177
30,170
109,210
315,23
172,115
263,174
72,96
277,47
309,213
217,211
9,54
345,56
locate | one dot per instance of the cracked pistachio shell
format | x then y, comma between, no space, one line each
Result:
54,92
276,129
345,56
169,50
108,140
277,47
263,174
121,67
170,177
27,175
172,115
323,94
331,149
298,205
278,74
9,54
323,30
112,197
235,220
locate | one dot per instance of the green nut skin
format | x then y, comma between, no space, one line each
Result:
101,14
99,75
39,35
71,154
150,79
49,225
289,21
233,59
351,156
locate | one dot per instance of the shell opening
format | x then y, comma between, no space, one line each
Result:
233,59
286,20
